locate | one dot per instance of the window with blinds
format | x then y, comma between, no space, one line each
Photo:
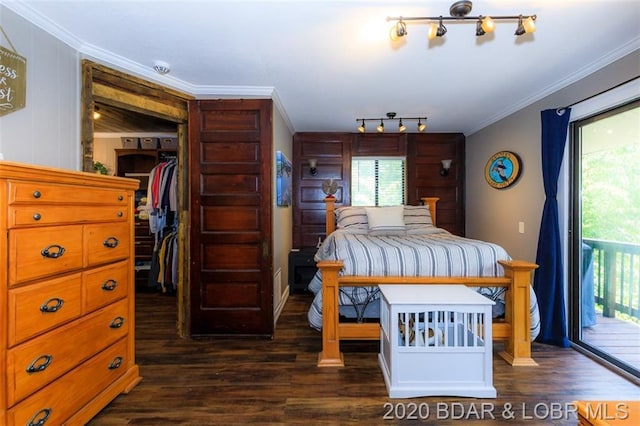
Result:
377,181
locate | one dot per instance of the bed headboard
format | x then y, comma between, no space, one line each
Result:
330,218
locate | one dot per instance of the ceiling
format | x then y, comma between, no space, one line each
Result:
326,63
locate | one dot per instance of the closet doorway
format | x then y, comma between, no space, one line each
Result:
128,104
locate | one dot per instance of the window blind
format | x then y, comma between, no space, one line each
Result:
377,181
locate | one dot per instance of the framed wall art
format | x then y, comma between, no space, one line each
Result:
284,170
503,169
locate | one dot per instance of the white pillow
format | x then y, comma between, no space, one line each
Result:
385,218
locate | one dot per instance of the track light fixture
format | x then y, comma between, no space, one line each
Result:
361,127
392,116
459,11
398,31
436,30
525,25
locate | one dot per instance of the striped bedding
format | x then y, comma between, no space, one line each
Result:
429,251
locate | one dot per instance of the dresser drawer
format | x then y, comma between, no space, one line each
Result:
58,401
49,214
105,285
38,307
39,252
39,361
107,242
45,193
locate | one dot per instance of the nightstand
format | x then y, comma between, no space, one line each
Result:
302,268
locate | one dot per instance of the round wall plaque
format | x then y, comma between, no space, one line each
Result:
502,169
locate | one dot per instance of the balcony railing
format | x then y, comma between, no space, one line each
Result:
616,276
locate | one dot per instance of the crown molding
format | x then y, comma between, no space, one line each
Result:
97,54
583,72
42,22
280,106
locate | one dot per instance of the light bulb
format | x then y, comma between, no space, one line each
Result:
398,31
488,25
529,25
433,31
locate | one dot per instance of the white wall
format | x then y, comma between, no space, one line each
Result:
47,131
493,214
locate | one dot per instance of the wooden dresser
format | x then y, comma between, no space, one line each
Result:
66,294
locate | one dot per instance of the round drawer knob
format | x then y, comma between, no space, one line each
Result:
36,216
120,198
37,194
120,214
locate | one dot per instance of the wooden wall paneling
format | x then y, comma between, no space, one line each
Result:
425,153
332,151
379,145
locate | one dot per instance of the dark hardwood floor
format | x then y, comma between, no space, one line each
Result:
239,381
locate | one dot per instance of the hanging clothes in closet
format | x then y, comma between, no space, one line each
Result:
162,205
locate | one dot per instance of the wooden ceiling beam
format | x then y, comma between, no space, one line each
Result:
135,102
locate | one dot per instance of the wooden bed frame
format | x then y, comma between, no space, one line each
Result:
514,329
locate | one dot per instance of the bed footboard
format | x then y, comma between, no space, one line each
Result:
515,329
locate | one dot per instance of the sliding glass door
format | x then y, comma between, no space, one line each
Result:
605,259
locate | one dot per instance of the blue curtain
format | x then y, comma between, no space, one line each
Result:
549,277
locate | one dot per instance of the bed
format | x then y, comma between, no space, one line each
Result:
350,268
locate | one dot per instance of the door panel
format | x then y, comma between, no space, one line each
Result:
230,179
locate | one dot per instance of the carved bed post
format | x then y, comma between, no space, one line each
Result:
431,203
330,355
517,306
330,220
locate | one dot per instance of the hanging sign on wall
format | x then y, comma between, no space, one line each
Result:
502,169
13,80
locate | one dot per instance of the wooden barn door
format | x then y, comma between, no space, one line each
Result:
230,151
